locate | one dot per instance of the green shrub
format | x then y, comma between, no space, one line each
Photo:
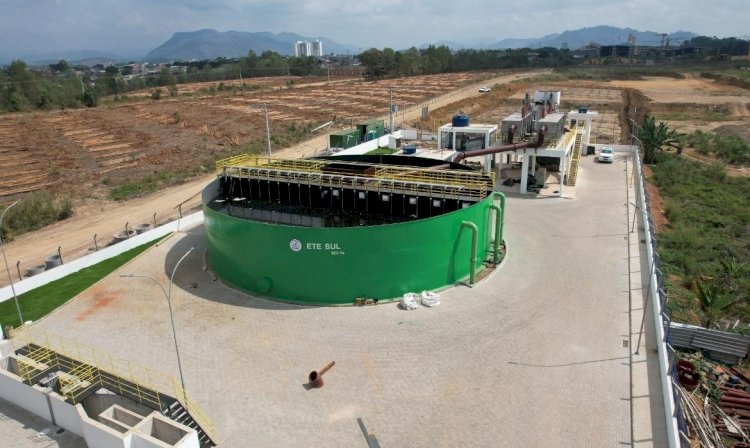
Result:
706,240
731,149
35,211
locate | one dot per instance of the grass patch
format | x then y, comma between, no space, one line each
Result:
705,115
381,152
37,210
41,301
150,183
729,148
706,239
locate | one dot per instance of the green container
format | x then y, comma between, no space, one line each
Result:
370,130
344,139
336,265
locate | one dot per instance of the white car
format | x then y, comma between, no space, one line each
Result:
484,89
606,154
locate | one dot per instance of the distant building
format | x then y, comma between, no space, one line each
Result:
303,48
316,48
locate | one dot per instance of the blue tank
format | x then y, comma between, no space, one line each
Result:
460,121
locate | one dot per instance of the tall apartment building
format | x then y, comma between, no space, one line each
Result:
316,48
303,48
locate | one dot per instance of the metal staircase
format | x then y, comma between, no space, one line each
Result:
178,413
77,380
575,161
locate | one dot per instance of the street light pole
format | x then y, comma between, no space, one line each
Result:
168,296
7,269
268,130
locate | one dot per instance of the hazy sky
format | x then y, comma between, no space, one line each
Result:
137,26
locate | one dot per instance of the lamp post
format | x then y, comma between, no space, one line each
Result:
268,129
168,296
7,269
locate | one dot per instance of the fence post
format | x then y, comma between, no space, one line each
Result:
18,268
59,254
96,246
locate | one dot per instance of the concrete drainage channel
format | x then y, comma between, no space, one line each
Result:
56,260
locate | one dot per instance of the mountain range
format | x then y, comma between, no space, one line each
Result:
210,44
574,39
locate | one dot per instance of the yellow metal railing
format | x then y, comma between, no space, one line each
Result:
229,161
86,365
570,135
195,411
468,183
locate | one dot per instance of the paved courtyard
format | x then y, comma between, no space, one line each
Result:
531,356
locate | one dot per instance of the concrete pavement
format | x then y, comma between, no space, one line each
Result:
534,355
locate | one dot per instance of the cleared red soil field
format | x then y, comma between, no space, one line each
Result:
85,152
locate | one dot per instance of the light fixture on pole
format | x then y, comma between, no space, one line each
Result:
168,296
7,269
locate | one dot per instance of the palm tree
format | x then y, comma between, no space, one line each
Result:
655,137
714,303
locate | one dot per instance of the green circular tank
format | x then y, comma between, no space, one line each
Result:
337,265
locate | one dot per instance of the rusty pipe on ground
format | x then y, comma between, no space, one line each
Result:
316,377
503,148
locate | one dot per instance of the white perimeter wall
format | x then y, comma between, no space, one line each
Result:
66,415
33,399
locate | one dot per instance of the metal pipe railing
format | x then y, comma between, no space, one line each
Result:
473,261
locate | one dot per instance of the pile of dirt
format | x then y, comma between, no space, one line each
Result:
733,130
728,80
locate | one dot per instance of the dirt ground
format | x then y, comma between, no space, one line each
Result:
696,103
691,89
88,151
103,218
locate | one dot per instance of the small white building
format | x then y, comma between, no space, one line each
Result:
459,138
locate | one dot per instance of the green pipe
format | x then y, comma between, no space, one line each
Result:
496,242
499,225
473,261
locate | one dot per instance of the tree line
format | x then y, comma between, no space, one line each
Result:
61,85
388,63
730,46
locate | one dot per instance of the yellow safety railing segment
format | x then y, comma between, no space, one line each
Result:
229,161
471,184
463,191
88,365
569,136
195,411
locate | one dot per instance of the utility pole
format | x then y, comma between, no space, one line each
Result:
390,108
268,130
